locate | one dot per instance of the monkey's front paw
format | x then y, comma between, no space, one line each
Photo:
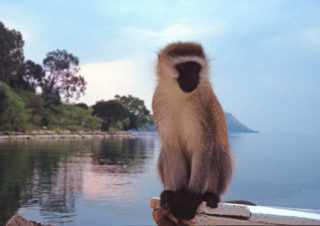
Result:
185,204
166,199
211,198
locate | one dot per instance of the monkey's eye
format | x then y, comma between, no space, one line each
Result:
188,67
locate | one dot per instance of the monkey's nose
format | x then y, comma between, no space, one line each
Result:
188,79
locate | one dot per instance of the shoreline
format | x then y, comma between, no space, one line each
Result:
49,134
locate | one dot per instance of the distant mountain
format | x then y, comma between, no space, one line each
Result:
233,124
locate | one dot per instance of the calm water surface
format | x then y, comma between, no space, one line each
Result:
110,181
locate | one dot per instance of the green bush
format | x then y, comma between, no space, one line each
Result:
13,114
114,115
73,118
34,106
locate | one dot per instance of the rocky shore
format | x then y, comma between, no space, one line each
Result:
18,220
49,134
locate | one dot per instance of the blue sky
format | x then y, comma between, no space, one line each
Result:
264,54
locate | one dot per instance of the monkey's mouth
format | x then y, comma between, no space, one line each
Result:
189,78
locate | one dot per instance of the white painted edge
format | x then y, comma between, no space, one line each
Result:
275,215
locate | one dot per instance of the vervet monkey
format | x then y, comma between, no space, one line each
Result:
195,162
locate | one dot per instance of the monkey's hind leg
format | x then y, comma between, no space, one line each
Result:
174,176
220,177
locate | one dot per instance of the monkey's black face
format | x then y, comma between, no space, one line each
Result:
189,78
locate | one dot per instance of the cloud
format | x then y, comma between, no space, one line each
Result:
307,38
123,77
310,37
177,31
99,183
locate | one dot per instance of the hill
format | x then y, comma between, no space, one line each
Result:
233,124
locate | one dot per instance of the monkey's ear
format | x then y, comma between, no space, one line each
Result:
158,56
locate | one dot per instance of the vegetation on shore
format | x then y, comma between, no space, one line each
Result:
34,96
37,97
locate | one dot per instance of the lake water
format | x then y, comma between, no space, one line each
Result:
110,181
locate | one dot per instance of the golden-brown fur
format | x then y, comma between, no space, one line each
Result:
195,151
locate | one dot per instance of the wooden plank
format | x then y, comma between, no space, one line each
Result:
238,214
225,209
203,219
155,203
225,214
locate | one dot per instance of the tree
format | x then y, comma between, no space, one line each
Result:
136,107
62,75
2,101
82,105
113,114
11,54
14,71
29,76
13,115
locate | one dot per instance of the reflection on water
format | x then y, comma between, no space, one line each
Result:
54,181
110,181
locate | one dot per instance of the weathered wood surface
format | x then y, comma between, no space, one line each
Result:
238,214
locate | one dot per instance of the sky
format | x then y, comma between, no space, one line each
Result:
264,55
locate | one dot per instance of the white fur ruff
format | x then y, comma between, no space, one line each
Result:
183,59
